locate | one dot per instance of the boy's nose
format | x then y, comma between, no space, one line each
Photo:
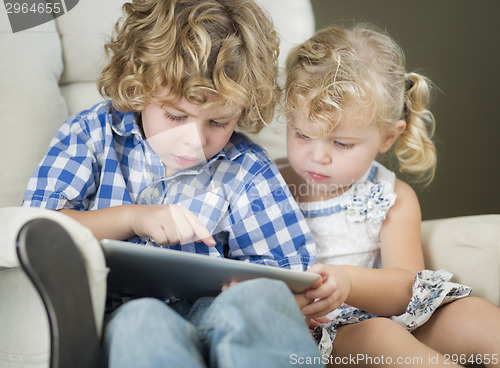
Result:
194,136
202,136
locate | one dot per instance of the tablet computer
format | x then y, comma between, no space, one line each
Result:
139,270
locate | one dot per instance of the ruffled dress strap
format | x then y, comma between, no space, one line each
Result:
431,289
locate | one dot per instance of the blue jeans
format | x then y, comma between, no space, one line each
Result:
255,323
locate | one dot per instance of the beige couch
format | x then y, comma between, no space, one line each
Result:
48,73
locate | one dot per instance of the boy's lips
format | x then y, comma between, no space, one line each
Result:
316,176
186,161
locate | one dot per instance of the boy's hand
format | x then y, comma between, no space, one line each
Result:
330,294
168,225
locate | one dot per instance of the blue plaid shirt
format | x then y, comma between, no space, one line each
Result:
100,159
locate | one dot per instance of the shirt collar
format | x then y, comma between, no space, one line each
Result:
238,144
124,123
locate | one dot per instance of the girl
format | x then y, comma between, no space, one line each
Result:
349,99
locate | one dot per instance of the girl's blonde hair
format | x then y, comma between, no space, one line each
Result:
363,67
194,48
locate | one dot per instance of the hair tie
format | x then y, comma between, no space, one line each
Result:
408,82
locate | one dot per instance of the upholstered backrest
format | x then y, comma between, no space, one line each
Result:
83,32
31,104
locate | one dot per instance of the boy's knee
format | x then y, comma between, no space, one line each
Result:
144,306
266,286
260,289
137,313
260,295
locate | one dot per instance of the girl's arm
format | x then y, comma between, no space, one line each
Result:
385,291
165,224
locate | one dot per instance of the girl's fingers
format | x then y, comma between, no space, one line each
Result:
321,307
301,300
322,319
327,288
227,286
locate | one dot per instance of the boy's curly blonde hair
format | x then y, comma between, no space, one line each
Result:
364,67
194,48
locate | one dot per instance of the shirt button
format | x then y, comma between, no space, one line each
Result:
155,193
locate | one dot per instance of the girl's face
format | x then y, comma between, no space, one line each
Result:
185,134
330,165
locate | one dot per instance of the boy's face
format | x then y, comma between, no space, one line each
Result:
185,134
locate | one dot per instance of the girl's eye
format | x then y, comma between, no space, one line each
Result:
218,124
343,145
174,117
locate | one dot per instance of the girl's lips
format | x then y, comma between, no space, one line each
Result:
186,161
316,176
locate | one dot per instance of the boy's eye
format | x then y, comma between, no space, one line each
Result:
342,145
218,124
174,117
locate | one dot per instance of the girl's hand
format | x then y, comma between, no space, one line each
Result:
302,300
315,322
333,291
227,286
168,225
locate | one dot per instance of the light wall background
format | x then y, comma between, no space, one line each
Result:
456,43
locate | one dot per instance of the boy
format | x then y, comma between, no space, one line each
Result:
192,70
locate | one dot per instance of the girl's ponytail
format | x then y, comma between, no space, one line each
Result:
414,149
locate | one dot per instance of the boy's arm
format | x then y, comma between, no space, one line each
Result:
111,223
267,225
165,224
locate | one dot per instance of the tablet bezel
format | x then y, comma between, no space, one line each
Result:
145,271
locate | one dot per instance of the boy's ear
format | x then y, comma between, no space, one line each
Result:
398,129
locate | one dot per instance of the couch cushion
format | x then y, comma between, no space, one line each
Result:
84,30
31,107
468,247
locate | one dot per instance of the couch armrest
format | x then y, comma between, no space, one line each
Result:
22,312
468,247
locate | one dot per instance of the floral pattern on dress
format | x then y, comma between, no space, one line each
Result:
431,289
370,201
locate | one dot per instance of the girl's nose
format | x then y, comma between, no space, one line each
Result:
320,153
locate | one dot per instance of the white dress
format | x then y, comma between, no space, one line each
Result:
346,231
